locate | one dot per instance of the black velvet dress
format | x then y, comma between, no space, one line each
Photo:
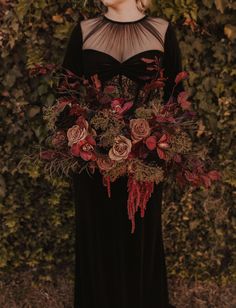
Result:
114,268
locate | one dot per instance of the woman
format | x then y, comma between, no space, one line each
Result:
114,268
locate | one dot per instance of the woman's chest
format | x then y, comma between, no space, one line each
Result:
140,67
133,49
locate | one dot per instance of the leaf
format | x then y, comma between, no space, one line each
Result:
22,9
58,19
2,186
220,5
147,60
182,100
230,31
214,175
161,153
33,111
181,76
193,224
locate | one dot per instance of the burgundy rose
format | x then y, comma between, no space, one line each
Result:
59,139
105,163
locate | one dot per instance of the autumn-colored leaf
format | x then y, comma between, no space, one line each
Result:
177,158
161,154
58,19
182,100
214,175
147,60
206,180
181,76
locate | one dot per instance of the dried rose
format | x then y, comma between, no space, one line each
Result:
59,139
140,129
121,148
105,163
120,106
77,132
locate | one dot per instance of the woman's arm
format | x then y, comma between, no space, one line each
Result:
172,62
73,55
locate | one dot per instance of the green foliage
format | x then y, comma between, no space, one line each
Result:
37,212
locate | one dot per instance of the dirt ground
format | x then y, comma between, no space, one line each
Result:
19,293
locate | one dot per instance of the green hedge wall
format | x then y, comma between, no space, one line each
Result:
37,213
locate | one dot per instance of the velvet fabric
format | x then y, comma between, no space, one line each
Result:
114,268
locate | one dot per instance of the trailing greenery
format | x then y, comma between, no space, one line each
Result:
37,212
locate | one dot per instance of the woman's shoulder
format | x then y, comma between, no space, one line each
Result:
159,19
160,24
90,20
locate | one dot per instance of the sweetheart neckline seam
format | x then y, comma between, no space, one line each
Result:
149,50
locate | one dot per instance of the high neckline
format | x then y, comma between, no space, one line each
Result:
125,22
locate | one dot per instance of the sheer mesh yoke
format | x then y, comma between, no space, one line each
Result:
123,40
115,50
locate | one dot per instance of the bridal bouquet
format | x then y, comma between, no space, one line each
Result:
91,126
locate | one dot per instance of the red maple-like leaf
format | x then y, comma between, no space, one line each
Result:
214,175
161,153
147,60
181,76
182,100
206,181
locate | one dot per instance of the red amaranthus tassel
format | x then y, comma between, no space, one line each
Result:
139,194
107,183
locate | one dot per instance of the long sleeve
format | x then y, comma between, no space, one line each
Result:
72,61
172,62
73,55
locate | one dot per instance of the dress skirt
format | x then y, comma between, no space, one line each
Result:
114,268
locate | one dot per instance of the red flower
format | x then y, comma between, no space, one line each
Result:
160,145
120,106
84,148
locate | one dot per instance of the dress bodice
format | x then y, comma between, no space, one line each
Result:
116,51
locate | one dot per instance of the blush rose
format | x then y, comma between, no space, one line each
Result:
140,129
121,148
77,132
104,163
